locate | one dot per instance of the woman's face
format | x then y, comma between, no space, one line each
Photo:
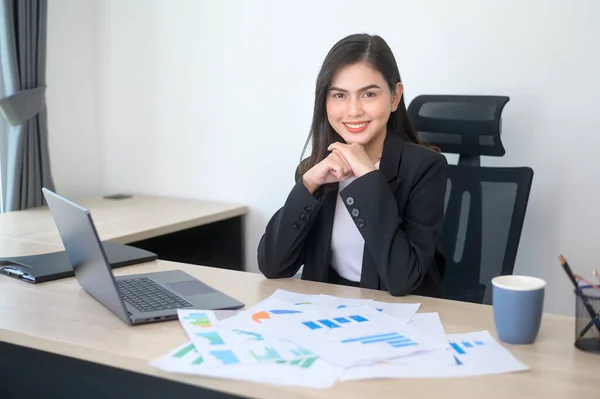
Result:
359,104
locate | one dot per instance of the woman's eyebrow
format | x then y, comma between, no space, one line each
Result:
372,86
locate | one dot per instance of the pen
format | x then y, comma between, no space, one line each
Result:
588,307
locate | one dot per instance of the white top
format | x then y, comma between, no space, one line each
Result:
347,244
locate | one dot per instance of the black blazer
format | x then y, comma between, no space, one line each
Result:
399,210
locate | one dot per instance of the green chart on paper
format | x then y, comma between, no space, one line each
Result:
303,363
304,359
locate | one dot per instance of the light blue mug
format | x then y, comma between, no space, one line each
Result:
518,306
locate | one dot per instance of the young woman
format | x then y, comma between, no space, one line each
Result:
368,203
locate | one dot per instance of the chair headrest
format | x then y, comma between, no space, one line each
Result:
465,125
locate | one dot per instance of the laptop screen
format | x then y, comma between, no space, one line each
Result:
86,254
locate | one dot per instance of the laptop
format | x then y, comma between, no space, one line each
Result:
135,299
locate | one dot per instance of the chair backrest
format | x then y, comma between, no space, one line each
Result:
484,213
465,125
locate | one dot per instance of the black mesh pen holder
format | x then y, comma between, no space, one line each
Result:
587,319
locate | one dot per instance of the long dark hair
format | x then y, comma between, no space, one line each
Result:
348,51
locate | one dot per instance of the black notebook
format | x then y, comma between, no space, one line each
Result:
55,265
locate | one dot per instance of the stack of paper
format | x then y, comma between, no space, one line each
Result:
315,340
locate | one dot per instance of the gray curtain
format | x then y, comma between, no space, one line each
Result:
23,105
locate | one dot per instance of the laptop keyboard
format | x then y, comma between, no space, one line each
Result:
147,296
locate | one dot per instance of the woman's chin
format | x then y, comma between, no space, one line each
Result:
361,139
357,140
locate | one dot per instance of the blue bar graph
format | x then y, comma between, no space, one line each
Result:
393,339
314,325
226,357
369,337
328,323
311,324
457,348
380,339
341,320
399,341
465,346
410,343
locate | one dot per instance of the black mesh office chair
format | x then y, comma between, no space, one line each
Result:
485,206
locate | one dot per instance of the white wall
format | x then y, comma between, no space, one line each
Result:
72,96
213,99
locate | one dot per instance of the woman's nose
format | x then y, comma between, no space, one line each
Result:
354,107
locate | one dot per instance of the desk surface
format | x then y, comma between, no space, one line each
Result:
124,221
60,317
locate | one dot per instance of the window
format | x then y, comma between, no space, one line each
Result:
3,148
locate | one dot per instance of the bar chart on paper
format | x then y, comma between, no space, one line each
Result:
269,353
225,357
300,357
348,336
213,337
463,347
303,363
335,322
185,350
189,352
250,336
392,339
214,357
479,353
198,320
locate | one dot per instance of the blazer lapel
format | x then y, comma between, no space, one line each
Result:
391,159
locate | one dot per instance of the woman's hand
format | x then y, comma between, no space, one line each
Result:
356,156
332,169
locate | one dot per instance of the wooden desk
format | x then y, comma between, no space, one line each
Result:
59,317
190,231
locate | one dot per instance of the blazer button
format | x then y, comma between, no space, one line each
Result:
302,217
307,209
296,225
355,212
360,223
350,201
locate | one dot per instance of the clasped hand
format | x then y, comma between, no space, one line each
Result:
344,161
